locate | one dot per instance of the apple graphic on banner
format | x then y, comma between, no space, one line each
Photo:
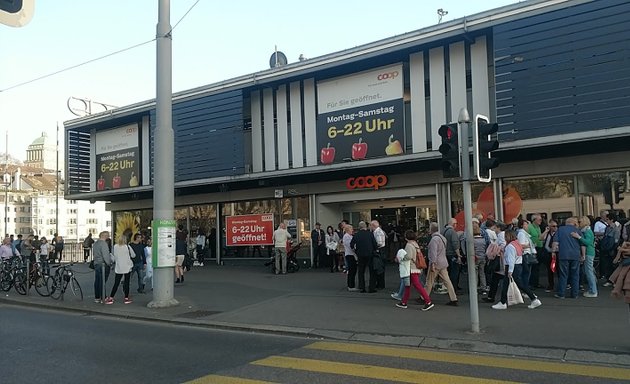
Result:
327,154
359,150
394,147
133,182
116,182
100,184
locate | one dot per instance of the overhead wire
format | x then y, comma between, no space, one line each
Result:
97,58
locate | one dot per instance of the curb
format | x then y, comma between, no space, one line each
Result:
621,360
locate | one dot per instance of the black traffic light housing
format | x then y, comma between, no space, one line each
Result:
618,190
11,6
484,142
449,150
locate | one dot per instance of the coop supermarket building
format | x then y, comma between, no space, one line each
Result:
353,134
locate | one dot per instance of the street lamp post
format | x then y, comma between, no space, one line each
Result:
57,188
6,181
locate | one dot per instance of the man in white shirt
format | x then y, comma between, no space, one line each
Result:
280,238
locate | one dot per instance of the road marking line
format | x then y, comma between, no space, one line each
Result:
371,371
217,379
469,359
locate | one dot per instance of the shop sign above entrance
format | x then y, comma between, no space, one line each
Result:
362,182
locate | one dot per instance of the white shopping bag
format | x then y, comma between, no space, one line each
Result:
514,294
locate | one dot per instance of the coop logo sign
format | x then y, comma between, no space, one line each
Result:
387,75
369,182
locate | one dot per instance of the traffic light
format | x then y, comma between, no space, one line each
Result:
449,150
484,142
16,13
618,190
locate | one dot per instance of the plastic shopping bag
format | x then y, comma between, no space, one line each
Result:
514,294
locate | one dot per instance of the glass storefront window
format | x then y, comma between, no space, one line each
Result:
482,196
293,211
552,197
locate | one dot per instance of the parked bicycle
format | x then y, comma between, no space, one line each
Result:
62,280
8,270
36,278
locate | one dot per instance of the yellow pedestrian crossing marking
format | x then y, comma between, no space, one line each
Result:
217,379
468,359
371,372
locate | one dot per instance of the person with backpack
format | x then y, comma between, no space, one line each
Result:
410,263
438,264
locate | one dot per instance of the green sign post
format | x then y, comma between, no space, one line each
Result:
163,243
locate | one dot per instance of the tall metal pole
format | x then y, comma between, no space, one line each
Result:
6,181
464,128
57,188
163,228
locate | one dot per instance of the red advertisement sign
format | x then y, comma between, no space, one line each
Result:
249,230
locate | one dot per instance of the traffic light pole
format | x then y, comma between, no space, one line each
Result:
464,128
163,228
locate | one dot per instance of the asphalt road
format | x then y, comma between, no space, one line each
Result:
40,346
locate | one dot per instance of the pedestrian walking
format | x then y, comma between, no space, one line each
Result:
438,264
44,251
280,238
139,262
587,240
350,258
364,246
200,244
410,272
332,244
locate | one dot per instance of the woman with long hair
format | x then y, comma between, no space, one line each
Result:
332,244
123,267
410,272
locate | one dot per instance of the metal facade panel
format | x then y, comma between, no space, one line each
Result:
457,70
564,71
310,120
480,77
283,127
418,110
269,130
438,94
257,154
78,155
297,153
206,147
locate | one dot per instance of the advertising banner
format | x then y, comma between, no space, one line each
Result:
361,116
118,158
249,230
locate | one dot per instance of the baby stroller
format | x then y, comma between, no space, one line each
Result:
292,263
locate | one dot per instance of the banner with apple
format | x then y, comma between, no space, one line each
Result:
361,116
117,158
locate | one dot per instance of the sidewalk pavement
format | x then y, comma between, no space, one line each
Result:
316,303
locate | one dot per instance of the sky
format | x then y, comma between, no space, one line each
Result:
214,42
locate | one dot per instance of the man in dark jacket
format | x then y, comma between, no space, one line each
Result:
139,261
364,246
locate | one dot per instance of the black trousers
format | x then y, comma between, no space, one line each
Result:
119,276
352,270
365,263
380,278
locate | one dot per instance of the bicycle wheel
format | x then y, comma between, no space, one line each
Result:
58,287
6,280
76,289
19,282
41,285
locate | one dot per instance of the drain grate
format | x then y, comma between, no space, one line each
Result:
197,314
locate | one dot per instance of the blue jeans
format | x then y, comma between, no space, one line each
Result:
401,290
98,280
589,271
138,268
526,272
569,272
453,272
